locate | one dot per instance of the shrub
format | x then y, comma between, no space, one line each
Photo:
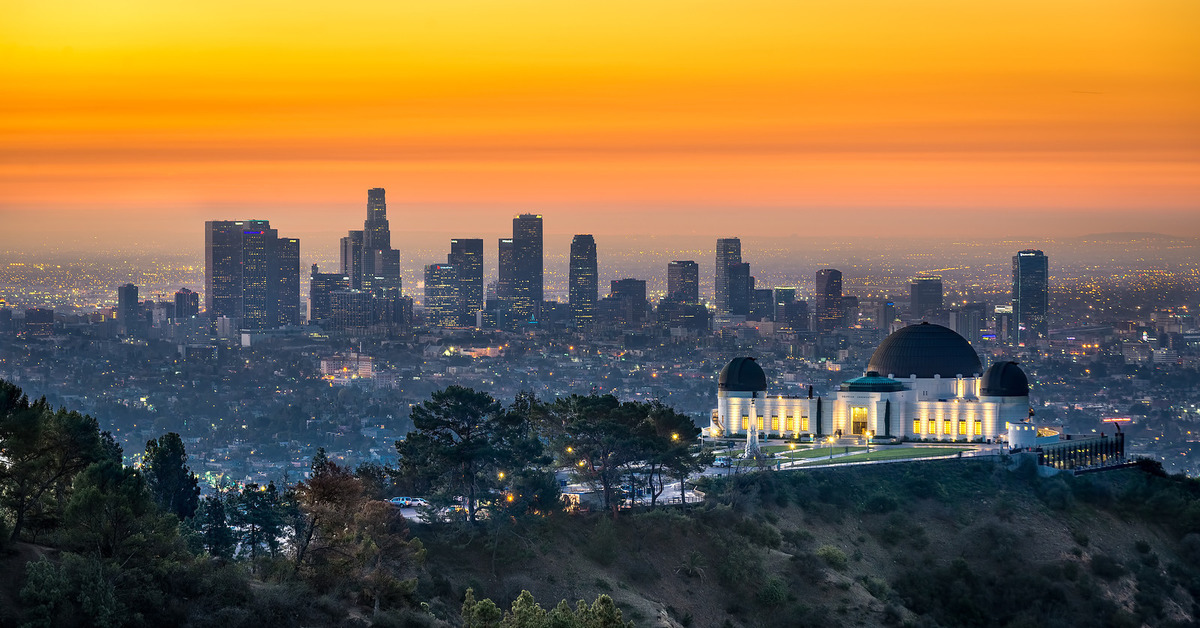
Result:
772,593
881,503
602,546
832,556
1107,567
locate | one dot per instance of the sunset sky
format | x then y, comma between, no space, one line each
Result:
142,119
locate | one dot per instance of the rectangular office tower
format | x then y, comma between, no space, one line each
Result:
584,280
129,309
187,304
441,295
683,281
527,272
729,253
466,256
321,287
829,299
1030,296
251,275
926,296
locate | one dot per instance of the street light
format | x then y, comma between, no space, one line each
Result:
869,435
831,448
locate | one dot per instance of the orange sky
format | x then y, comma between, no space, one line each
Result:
168,113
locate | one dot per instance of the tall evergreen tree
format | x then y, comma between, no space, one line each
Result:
174,487
462,443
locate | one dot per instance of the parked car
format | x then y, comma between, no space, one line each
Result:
721,461
408,502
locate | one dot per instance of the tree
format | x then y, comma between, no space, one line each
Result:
214,529
350,539
256,512
598,437
174,487
111,514
670,448
462,443
43,451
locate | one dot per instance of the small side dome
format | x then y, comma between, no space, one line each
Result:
742,375
872,382
1004,379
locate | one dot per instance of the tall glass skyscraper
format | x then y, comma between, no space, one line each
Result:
829,299
367,256
527,267
683,281
128,308
729,252
584,280
466,256
925,294
441,295
1030,296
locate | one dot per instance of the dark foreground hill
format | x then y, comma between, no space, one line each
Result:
947,543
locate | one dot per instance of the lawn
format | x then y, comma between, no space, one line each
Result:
894,454
818,452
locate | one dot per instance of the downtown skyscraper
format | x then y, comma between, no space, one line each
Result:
1030,296
729,253
830,313
683,281
925,296
527,271
251,275
367,256
584,278
466,256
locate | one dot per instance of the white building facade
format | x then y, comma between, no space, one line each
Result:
924,382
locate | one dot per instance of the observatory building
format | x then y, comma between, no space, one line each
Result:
924,382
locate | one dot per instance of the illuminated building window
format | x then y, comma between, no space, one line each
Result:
946,426
979,428
745,422
804,424
762,423
775,423
962,427
916,426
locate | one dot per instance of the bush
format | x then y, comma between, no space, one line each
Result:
602,546
833,556
772,593
1107,567
881,503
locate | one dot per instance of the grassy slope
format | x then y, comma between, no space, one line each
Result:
935,543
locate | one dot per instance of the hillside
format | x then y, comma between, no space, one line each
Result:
942,543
